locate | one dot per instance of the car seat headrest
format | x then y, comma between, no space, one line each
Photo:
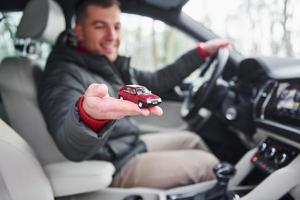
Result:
42,20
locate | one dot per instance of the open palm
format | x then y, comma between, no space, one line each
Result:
99,105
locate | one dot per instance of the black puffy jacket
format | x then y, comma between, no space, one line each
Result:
67,75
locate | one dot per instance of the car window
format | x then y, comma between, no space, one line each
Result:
127,90
8,25
132,91
258,27
151,44
139,92
10,45
142,91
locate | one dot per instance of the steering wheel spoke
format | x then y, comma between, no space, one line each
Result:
202,86
197,84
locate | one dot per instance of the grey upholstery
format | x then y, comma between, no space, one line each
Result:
42,20
18,77
21,175
69,178
18,89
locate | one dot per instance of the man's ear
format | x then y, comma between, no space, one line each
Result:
78,32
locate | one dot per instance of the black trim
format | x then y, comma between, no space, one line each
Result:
279,129
12,5
3,114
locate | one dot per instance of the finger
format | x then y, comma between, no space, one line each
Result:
132,109
224,43
156,110
96,90
221,41
213,45
116,108
145,112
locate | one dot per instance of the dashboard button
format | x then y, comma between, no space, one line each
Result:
270,152
262,147
281,159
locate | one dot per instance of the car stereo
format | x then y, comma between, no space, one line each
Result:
284,104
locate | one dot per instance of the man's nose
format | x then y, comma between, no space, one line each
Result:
111,33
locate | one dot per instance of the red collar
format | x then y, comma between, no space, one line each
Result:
81,49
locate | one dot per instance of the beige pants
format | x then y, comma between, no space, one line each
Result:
173,159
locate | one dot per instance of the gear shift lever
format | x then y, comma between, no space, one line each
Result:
224,172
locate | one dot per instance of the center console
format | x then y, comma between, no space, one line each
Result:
276,159
278,163
272,155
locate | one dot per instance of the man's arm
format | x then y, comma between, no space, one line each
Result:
98,106
58,98
59,92
172,75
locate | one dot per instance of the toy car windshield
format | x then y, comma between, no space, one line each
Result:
143,90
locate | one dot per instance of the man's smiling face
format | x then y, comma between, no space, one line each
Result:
99,31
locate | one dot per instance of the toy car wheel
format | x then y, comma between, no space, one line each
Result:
140,104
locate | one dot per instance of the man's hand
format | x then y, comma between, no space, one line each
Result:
213,45
99,105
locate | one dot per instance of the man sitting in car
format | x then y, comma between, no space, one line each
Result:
78,97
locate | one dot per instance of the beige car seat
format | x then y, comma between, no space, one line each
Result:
42,20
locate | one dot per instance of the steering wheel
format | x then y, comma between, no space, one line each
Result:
203,85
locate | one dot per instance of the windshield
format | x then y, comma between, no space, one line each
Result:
254,27
163,43
140,91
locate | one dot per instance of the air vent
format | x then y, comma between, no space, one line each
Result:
263,98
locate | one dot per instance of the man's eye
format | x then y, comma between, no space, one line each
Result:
99,27
117,28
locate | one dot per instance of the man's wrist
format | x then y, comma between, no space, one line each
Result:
94,124
202,51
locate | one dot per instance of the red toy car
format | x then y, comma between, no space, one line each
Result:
139,95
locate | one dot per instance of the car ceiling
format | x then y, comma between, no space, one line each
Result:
17,5
151,8
167,4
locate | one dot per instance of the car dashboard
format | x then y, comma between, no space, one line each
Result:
277,108
273,85
275,92
277,111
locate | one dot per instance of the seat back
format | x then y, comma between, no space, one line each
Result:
42,20
18,87
18,78
30,182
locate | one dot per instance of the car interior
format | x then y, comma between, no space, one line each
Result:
246,110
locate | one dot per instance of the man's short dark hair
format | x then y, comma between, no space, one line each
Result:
81,7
